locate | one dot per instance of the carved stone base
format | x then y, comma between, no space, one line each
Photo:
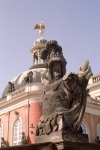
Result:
63,145
59,136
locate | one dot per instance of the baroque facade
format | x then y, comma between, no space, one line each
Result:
20,104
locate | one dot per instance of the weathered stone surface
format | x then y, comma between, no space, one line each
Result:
64,98
43,146
60,136
56,146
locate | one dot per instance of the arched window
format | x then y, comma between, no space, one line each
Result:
1,133
17,132
84,128
98,130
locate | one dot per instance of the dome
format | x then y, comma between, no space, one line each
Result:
19,80
40,41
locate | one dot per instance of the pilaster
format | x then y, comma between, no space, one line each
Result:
92,127
6,137
26,119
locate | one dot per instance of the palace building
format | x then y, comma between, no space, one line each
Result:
20,104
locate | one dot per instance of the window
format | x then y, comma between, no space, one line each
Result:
83,128
98,130
1,133
17,134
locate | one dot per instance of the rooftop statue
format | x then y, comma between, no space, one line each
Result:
11,87
3,142
41,28
64,98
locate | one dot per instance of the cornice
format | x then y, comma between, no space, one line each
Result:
94,92
93,109
93,85
37,46
26,93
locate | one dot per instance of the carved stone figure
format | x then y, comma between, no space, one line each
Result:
10,87
3,142
97,140
23,140
29,77
64,98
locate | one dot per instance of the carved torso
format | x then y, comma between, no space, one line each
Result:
53,98
57,97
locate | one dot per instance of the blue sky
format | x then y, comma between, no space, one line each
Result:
75,24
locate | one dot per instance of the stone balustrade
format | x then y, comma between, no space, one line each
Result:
96,78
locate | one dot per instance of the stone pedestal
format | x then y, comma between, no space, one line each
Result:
56,146
61,136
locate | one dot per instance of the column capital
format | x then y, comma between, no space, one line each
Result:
7,114
27,106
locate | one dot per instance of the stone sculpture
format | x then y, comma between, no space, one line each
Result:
97,140
11,87
41,28
23,140
3,142
29,77
64,98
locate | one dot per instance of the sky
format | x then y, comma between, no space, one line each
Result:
74,24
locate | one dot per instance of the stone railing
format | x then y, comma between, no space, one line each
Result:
96,78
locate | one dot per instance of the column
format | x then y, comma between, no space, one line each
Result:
39,57
33,59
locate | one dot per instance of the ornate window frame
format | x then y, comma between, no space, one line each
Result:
98,129
17,131
84,127
87,128
1,132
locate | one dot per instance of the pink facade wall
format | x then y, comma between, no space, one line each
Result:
34,115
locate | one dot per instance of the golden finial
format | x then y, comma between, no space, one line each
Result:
41,28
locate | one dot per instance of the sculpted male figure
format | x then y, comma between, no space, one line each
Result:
64,98
3,142
23,140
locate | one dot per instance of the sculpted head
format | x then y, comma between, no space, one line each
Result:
54,60
56,71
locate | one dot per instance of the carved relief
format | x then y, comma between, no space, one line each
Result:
16,115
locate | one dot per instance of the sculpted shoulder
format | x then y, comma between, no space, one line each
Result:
69,76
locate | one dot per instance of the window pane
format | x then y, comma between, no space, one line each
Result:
83,128
1,134
15,138
20,138
17,132
98,131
